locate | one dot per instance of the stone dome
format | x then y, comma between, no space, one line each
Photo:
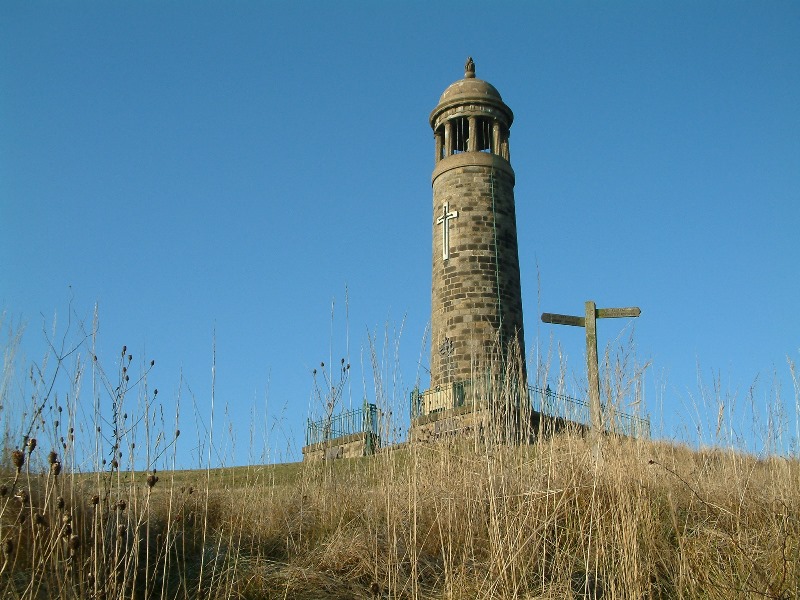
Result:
470,88
473,92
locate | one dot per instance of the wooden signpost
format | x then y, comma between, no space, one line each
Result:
590,323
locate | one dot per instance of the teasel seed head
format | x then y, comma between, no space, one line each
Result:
18,458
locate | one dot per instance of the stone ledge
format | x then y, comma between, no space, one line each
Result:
350,446
444,414
472,159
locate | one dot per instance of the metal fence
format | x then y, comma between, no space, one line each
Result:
549,403
543,401
348,422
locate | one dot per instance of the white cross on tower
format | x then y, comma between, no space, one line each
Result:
446,216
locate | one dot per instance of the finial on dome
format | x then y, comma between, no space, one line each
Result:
469,68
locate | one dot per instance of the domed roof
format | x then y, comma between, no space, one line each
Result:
470,87
471,91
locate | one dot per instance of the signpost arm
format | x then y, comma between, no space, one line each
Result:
590,323
592,366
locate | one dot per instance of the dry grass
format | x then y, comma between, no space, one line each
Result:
557,518
443,520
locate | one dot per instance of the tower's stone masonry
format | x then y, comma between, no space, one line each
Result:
476,303
476,300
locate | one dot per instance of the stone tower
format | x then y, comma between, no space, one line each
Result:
476,310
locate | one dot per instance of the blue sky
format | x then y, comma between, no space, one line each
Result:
219,174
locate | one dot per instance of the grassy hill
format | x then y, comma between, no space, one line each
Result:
561,518
458,519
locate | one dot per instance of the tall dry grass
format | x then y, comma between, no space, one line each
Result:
459,518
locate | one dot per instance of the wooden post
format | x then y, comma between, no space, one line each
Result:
592,366
589,322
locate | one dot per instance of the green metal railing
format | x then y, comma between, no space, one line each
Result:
543,401
348,422
549,403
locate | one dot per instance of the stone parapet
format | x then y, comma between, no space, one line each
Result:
349,446
472,159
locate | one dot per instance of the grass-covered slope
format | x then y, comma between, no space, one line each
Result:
555,519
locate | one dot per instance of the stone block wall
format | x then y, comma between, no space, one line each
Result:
463,422
476,299
350,446
480,424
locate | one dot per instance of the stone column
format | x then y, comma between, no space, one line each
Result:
472,142
448,138
438,144
496,137
504,147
